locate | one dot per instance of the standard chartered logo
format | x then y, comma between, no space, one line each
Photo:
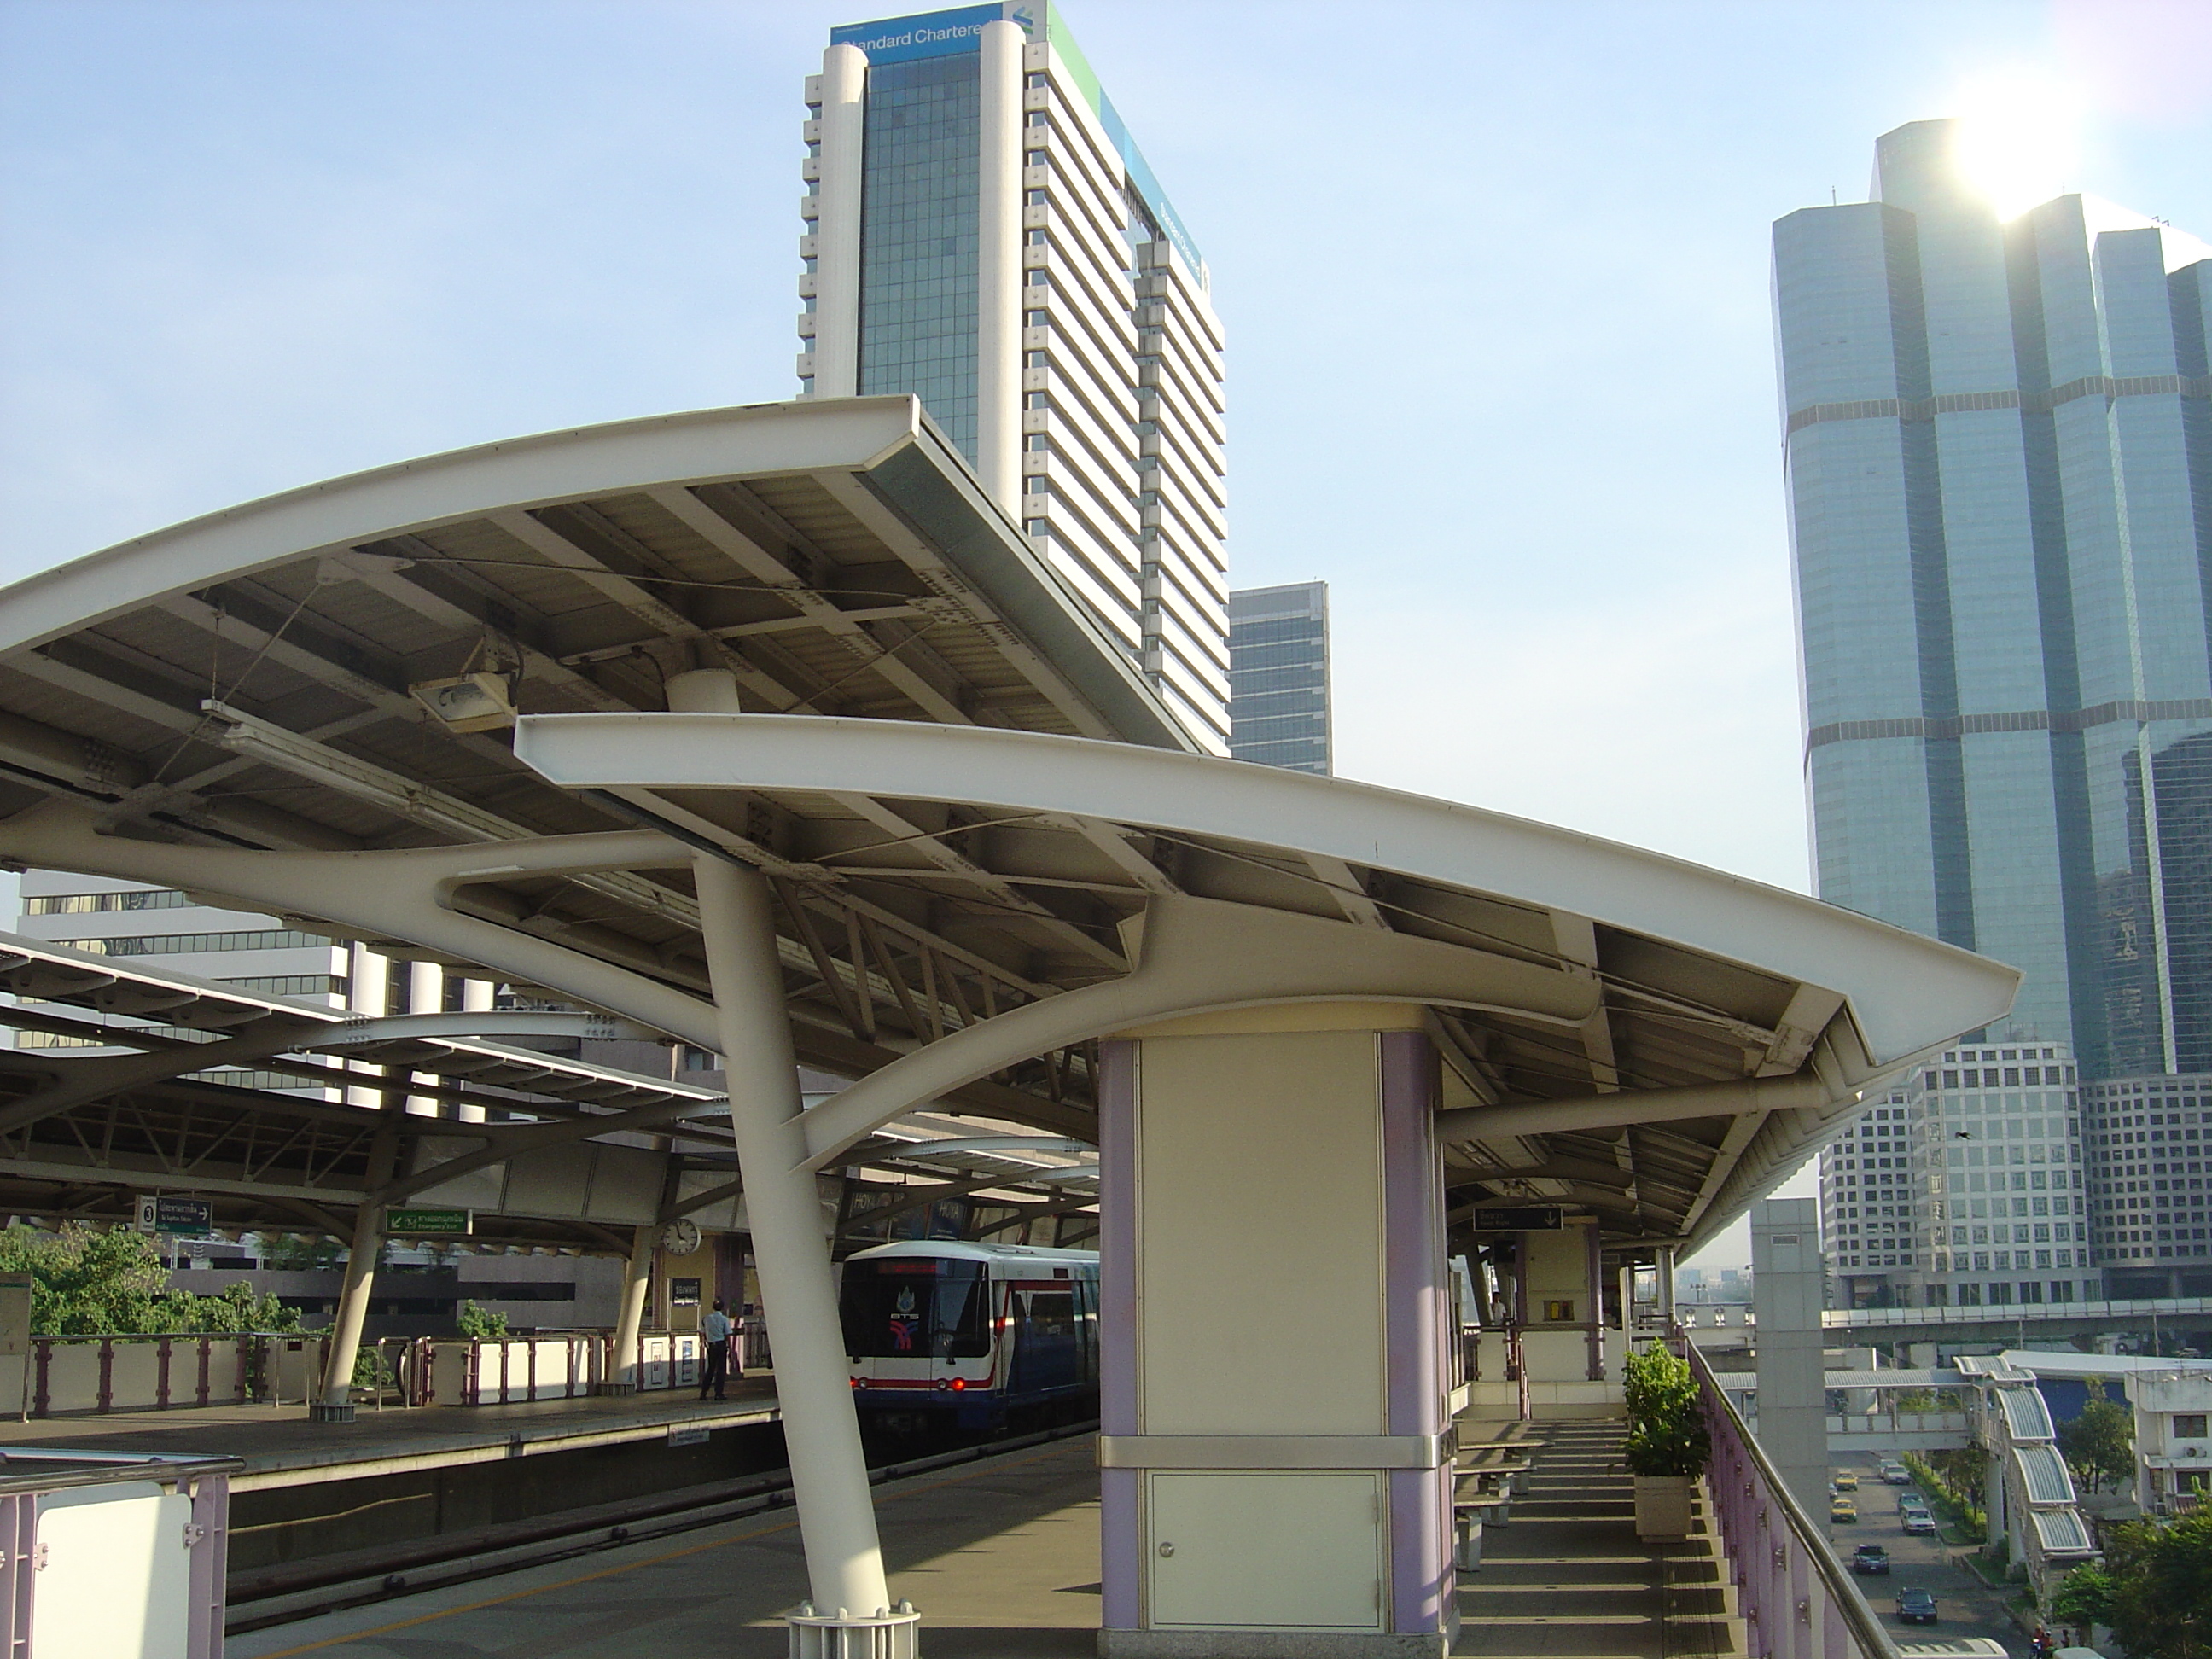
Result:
922,36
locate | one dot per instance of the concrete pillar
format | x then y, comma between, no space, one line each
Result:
1663,1267
1251,1507
837,228
1785,1290
999,273
630,1317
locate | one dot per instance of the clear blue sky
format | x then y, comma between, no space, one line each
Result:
1494,278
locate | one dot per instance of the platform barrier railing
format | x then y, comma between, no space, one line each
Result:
95,1373
1797,1599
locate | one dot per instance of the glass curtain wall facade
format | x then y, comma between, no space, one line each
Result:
918,238
1999,453
983,231
1279,707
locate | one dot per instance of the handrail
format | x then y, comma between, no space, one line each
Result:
1862,1631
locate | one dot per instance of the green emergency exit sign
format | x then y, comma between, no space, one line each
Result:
397,1220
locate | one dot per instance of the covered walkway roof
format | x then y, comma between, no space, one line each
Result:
305,706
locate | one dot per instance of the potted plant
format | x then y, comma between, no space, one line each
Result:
1668,1446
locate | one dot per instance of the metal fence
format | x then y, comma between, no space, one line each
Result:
126,1371
1797,1599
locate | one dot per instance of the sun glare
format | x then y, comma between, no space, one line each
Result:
2015,139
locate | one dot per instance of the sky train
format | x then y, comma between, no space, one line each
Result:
943,1334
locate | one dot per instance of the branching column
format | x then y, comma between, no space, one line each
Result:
336,1405
629,1318
821,1435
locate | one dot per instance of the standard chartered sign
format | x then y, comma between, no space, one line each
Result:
933,34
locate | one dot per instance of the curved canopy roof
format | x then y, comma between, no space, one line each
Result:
335,673
1607,1014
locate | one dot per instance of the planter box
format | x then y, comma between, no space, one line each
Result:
1662,1505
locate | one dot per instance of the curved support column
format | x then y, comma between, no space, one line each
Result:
1200,955
821,1435
336,1405
391,895
1745,1096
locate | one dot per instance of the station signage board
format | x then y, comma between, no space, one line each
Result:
1518,1218
159,1212
413,1219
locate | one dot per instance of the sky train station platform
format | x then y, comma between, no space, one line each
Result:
1006,1554
710,786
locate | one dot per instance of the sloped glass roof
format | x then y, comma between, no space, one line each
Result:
2025,1416
2043,1474
2061,1532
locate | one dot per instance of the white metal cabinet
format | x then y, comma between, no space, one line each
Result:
1246,1549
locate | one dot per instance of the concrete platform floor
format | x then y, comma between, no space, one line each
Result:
1002,1558
281,1446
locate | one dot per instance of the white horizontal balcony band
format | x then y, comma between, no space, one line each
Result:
1276,1451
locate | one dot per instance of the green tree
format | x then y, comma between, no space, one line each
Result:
2100,1444
472,1321
308,1252
1667,1432
88,1283
2162,1587
2084,1598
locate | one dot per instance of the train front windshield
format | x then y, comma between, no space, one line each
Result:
914,1307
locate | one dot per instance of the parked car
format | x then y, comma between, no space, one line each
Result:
1919,1523
1916,1606
1846,1481
1843,1509
1896,1475
1868,1559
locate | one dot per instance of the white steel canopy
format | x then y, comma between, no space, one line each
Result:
1653,1041
243,704
938,836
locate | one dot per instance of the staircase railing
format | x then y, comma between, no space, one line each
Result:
1797,1601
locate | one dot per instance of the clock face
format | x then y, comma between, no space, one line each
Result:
680,1237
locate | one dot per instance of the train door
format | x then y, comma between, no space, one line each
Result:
1048,1337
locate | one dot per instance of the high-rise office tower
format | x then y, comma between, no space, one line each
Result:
1279,713
1966,1185
2150,1162
983,231
1999,452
